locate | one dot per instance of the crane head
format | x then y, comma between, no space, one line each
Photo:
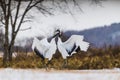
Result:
57,33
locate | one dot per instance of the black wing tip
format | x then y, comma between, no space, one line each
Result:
38,53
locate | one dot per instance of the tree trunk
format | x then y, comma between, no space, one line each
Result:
10,54
5,56
10,51
6,52
6,42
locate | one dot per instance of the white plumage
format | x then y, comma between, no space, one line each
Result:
46,49
68,47
43,48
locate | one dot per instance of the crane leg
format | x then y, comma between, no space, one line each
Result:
47,62
65,63
47,65
43,62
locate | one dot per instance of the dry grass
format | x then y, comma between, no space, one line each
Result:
93,59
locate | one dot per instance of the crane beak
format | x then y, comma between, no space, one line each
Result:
57,33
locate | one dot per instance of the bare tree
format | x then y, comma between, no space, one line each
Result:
12,21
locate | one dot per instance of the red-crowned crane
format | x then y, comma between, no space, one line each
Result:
44,49
68,47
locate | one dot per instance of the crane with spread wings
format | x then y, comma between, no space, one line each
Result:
44,49
68,47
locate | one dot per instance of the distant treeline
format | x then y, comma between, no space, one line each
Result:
26,48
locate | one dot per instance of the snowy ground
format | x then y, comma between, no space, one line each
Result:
41,74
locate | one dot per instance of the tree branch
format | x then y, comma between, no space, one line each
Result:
26,21
25,29
2,22
26,10
3,6
37,2
17,12
43,10
75,3
69,9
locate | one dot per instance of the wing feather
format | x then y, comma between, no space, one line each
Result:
69,46
71,42
62,49
52,49
42,45
83,45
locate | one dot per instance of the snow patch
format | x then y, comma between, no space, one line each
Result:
38,74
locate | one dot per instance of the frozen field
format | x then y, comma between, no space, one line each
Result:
41,74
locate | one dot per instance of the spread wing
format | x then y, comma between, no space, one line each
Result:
44,48
72,44
83,45
51,50
41,45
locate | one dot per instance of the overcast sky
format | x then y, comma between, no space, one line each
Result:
92,16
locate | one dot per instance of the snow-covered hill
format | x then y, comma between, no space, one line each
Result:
98,37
